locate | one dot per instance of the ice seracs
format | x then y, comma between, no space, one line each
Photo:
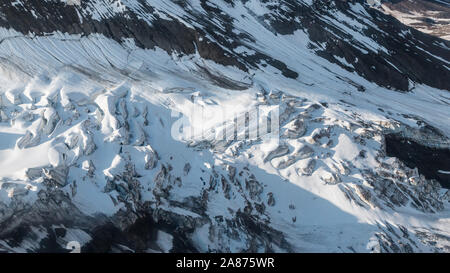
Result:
87,120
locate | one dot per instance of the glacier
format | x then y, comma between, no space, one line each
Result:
90,97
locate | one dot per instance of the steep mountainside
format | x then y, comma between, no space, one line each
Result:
221,126
428,16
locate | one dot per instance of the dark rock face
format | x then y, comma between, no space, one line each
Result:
215,36
137,237
428,15
171,35
433,163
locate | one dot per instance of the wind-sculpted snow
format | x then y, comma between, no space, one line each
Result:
247,133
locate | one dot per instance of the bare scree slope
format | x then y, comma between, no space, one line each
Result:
92,91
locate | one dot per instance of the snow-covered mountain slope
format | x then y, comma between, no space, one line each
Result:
130,126
429,16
